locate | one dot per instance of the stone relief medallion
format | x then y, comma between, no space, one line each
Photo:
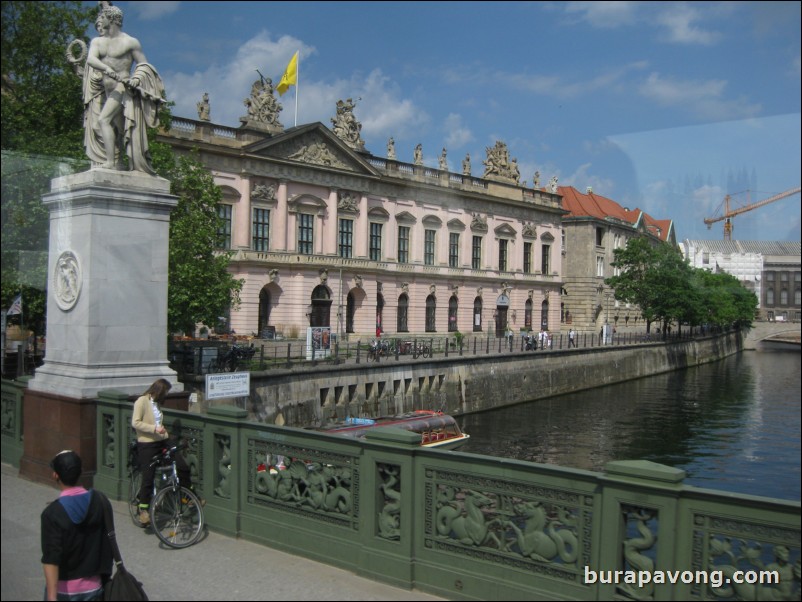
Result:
67,280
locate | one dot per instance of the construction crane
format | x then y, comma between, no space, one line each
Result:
729,214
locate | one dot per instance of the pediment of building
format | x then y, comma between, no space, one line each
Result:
314,145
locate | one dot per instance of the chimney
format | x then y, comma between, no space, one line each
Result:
589,190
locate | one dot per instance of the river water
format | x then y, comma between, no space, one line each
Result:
732,425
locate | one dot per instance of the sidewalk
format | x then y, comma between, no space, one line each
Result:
217,568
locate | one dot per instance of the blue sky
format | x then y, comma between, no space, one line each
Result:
662,106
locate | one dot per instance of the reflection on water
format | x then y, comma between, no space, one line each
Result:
732,425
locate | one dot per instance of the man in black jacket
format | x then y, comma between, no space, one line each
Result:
76,554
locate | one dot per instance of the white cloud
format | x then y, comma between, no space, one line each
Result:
604,15
678,20
380,106
703,98
582,178
559,87
150,11
457,134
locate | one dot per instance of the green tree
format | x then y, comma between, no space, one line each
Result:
41,132
200,286
667,289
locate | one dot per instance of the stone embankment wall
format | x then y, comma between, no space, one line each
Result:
462,384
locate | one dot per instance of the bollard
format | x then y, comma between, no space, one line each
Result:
358,347
415,349
446,346
289,363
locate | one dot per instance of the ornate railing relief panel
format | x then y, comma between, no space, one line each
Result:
320,484
540,529
727,545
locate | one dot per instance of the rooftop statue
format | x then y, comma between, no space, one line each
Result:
346,127
443,160
418,155
119,106
498,165
204,109
466,165
262,104
391,148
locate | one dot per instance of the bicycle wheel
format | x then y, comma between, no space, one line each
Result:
134,486
177,517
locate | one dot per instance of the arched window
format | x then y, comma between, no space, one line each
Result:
453,303
528,314
769,296
264,309
477,314
320,314
431,309
544,315
379,311
403,311
350,312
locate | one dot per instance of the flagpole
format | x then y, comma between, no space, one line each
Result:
297,79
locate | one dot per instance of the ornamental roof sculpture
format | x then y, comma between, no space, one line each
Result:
346,127
263,108
498,165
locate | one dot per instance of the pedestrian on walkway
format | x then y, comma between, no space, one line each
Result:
76,553
151,438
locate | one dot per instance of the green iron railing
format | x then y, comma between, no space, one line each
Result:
473,527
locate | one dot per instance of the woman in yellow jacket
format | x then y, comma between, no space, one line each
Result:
151,438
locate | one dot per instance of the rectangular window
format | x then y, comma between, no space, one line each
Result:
261,230
403,244
599,237
224,227
305,233
476,253
600,266
375,242
428,247
527,258
453,250
502,255
346,238
545,263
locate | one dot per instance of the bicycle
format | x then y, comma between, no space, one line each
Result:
231,360
176,513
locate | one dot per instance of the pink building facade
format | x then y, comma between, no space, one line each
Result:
326,235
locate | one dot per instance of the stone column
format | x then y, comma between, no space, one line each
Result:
280,225
242,216
330,240
362,229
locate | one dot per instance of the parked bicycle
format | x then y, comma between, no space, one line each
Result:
233,359
379,349
176,513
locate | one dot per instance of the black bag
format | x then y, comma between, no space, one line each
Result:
123,585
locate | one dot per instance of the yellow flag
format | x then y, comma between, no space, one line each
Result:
290,77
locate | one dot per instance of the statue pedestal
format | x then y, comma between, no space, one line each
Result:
106,306
107,284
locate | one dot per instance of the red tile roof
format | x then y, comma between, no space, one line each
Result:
579,204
